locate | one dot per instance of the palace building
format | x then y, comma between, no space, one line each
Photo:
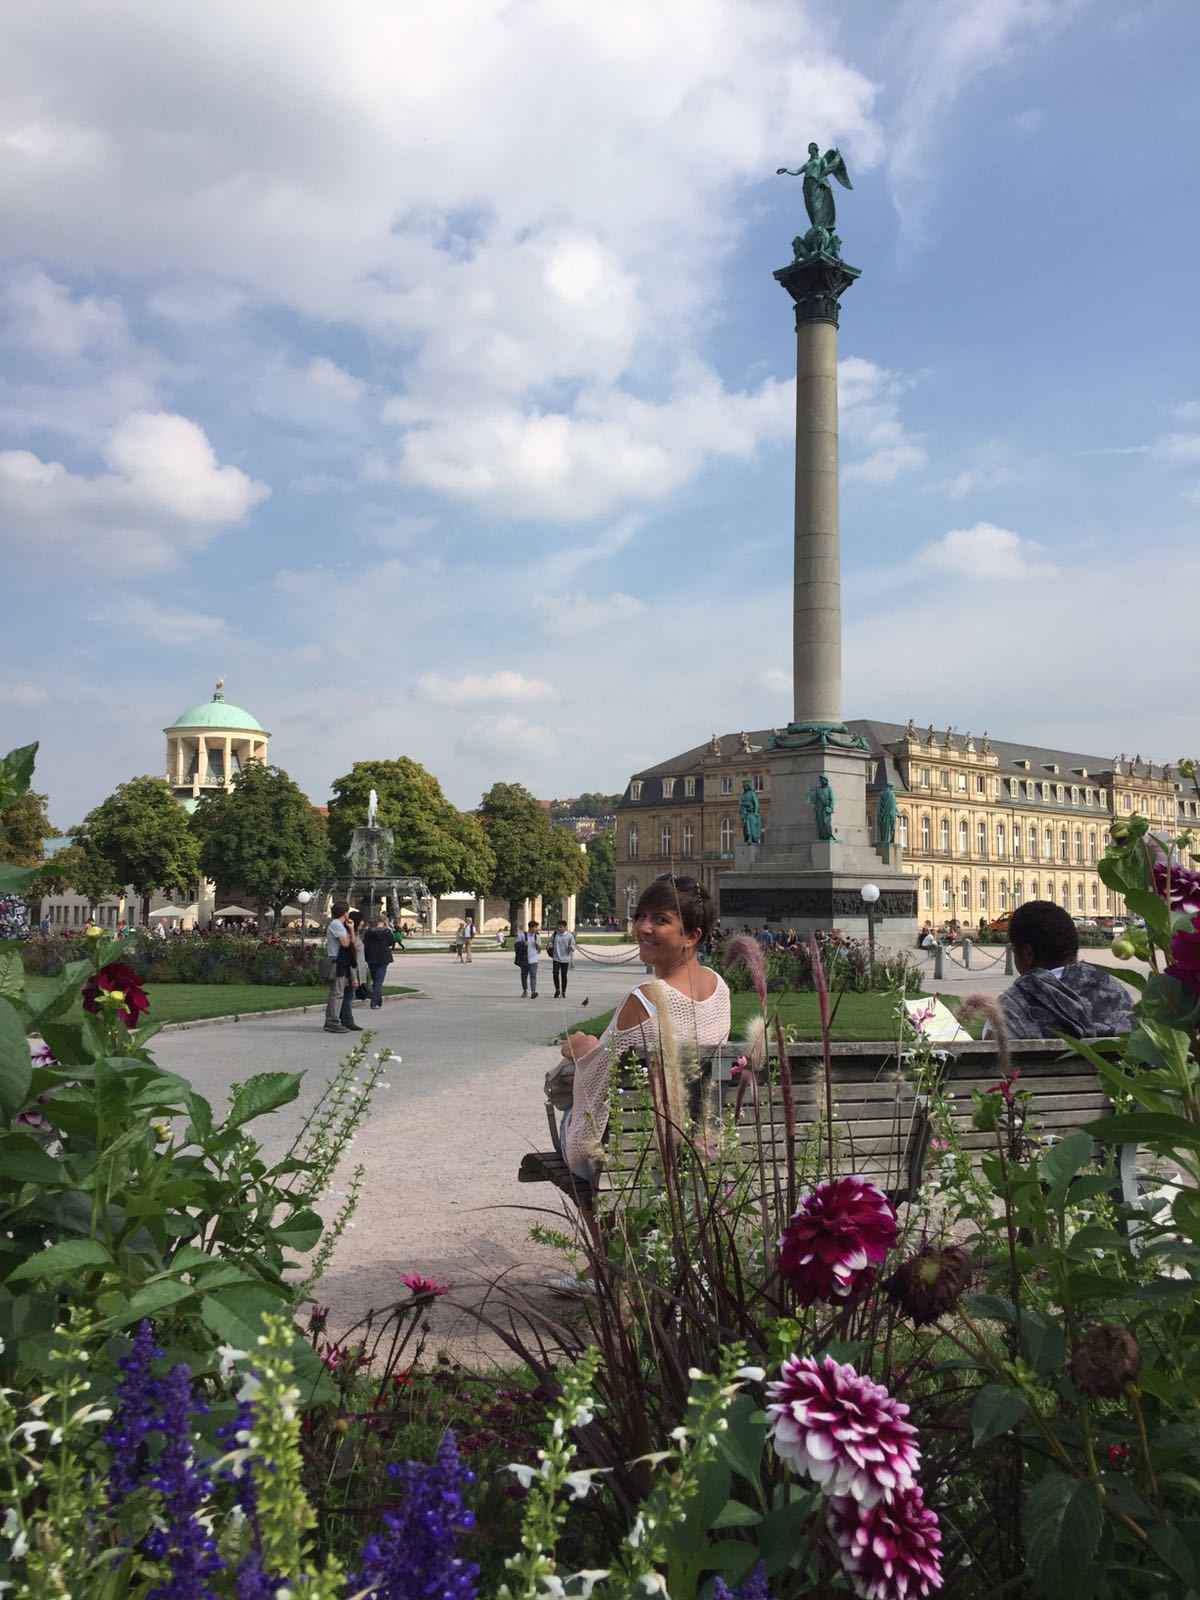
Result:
984,824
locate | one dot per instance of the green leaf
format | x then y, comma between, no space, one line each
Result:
732,1560
1060,1163
150,1299
990,1306
1157,913
65,1039
1170,1545
23,1160
12,975
1146,1127
1045,1342
735,1515
72,1255
16,1069
742,1442
15,880
266,1091
300,1232
200,1112
781,1531
1185,1213
112,1097
16,772
1061,1528
996,1409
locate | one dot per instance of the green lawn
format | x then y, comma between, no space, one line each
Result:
187,1002
858,1016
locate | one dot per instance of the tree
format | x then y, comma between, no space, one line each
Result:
139,836
432,840
264,836
599,897
532,856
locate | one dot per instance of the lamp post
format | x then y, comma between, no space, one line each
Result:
303,898
870,894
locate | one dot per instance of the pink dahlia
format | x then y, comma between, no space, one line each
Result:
890,1551
424,1288
831,1247
845,1432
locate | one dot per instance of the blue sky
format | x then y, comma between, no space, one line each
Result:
419,368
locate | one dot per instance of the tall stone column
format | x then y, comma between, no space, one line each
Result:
817,590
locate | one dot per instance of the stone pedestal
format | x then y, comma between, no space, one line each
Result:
744,856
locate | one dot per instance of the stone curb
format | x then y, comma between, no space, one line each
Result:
253,1016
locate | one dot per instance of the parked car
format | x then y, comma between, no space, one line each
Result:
1086,924
999,924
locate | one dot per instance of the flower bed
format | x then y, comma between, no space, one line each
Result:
198,956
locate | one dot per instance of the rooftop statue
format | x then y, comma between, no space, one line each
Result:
820,240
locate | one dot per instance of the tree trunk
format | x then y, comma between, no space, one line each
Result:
514,915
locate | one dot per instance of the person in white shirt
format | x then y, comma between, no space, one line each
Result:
337,939
562,948
533,948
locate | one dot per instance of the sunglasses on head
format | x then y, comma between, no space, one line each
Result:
678,880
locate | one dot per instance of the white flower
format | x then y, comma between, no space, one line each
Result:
654,1583
589,1577
679,1434
580,1482
229,1357
653,1457
29,1429
523,1473
694,1373
552,1587
20,1545
637,1533
250,1387
750,1374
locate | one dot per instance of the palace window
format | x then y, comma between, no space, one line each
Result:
946,887
726,835
758,782
980,784
904,830
983,903
1033,844
1066,898
964,894
664,840
961,785
668,788
943,780
1095,897
727,784
1162,808
1074,794
1049,839
1049,890
925,836
1001,838
1017,840
689,838
1045,791
1079,897
926,893
1104,797
1018,893
1033,892
1091,844
944,835
1079,844
1059,792
1124,802
962,835
1104,839
1062,844
1108,899
981,838
633,842
635,789
1030,789
924,779
689,788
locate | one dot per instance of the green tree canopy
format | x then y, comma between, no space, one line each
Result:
139,836
432,840
599,896
264,836
532,856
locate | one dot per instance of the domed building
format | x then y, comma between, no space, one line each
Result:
209,745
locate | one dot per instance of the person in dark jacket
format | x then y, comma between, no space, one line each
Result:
377,946
1057,993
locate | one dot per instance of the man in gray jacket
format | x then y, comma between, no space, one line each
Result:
1056,992
562,948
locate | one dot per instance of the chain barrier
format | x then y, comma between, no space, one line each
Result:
608,961
975,954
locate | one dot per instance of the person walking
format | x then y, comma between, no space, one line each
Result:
337,943
460,942
533,949
521,960
562,948
468,937
352,958
377,947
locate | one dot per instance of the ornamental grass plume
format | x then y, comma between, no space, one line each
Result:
676,1072
746,952
841,1232
980,1005
930,1284
840,1429
890,1551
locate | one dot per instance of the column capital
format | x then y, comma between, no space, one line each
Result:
816,286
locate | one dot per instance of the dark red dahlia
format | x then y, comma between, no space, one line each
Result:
1107,1359
1178,885
117,978
840,1234
890,1551
930,1283
1185,957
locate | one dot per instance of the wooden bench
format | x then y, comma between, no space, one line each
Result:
882,1126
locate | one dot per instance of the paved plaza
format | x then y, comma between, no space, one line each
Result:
443,1143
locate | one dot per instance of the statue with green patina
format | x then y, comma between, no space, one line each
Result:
820,240
821,799
885,815
751,814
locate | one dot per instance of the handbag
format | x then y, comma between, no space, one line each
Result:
362,992
327,969
560,1085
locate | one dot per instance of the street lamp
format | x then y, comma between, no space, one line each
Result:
870,894
303,898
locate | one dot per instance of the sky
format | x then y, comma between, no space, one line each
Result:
418,367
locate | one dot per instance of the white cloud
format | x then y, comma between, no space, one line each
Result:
181,627
985,552
508,735
46,317
165,491
15,693
477,687
567,615
989,470
869,420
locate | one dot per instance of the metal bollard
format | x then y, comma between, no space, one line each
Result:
966,944
1008,961
938,956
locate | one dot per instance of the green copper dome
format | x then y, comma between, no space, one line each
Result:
217,713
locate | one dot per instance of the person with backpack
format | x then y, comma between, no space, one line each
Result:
529,947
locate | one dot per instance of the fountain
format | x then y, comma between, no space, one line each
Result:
372,885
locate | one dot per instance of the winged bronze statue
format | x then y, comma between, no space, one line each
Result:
818,199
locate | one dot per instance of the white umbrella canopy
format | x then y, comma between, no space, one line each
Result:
234,911
169,911
290,911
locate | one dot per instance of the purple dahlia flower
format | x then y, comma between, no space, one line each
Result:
840,1234
1185,957
890,1551
845,1432
1179,886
